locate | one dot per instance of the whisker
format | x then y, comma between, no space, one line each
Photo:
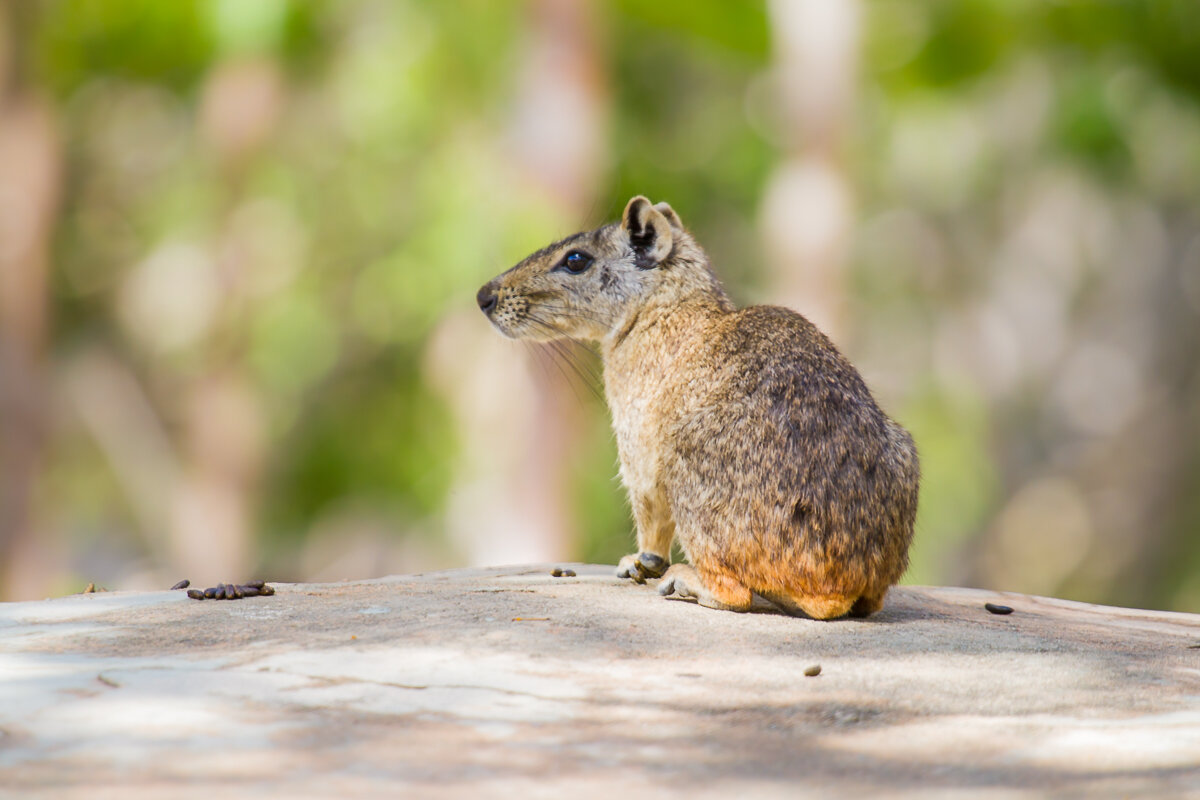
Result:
581,367
554,303
579,345
541,362
561,357
565,354
546,351
574,313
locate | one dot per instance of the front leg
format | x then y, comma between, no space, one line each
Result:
655,530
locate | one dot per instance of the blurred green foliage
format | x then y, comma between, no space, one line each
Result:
381,201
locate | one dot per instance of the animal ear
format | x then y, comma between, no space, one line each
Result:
649,232
670,214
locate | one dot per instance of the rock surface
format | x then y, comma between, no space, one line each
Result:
510,682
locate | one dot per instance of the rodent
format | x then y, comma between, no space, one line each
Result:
744,433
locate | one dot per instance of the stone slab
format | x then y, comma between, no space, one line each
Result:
509,682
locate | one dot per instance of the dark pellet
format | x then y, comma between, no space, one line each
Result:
556,573
998,609
183,584
267,590
248,590
237,591
256,584
812,671
568,573
195,594
211,593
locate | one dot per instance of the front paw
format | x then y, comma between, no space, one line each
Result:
640,566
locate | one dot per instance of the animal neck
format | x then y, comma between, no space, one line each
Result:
657,336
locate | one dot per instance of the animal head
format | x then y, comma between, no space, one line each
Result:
588,285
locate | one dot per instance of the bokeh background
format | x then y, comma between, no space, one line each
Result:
240,241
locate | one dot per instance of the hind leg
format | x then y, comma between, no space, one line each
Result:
710,589
824,606
812,606
816,606
868,604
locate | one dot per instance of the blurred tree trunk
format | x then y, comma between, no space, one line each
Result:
559,131
808,208
30,177
511,502
224,421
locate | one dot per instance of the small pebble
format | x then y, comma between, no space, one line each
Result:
183,584
812,671
89,589
195,594
998,609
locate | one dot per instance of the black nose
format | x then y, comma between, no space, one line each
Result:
486,299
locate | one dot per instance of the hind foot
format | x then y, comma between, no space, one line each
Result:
711,590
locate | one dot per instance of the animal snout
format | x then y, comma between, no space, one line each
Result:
486,297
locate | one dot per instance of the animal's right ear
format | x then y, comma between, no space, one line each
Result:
649,232
670,214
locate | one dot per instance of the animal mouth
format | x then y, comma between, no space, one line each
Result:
510,315
524,315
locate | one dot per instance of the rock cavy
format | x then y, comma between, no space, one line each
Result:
744,433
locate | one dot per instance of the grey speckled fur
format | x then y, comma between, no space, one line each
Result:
743,433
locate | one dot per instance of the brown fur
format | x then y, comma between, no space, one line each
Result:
743,433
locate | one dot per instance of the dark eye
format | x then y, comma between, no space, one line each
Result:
575,262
